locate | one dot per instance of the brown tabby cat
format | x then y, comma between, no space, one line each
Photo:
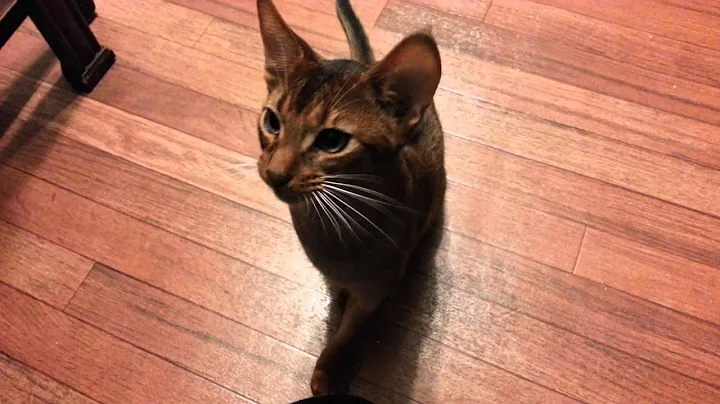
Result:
355,148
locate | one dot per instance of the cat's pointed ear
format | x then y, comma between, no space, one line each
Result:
285,51
408,76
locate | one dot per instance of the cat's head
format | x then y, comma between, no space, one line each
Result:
334,118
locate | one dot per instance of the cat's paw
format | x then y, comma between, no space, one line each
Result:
331,380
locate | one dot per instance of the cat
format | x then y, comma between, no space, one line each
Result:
356,150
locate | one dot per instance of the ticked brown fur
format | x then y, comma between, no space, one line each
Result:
355,148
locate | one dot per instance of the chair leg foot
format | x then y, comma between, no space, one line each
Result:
85,81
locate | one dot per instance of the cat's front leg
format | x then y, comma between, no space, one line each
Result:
338,362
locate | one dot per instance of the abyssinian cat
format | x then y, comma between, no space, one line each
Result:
355,148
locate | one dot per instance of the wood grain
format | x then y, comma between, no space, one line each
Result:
472,8
631,46
292,325
623,121
581,306
170,61
316,16
659,277
148,143
672,228
156,17
525,231
19,382
670,179
559,139
675,22
553,60
234,128
92,362
703,6
544,353
240,358
268,325
39,268
213,280
219,171
171,105
661,224
230,354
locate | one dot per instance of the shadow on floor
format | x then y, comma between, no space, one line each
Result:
27,131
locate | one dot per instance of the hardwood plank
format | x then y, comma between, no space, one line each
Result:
522,230
581,306
233,288
199,115
19,382
670,179
182,65
676,236
67,350
220,171
552,60
627,122
38,267
616,42
137,93
615,119
5,5
317,16
156,17
472,8
216,222
643,127
680,229
658,18
443,375
702,6
158,262
665,226
212,297
179,279
543,353
659,277
155,146
231,352
234,128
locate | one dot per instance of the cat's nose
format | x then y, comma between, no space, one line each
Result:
277,179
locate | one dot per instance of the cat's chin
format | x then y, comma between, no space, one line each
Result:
286,196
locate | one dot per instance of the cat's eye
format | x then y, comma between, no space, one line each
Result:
331,140
270,122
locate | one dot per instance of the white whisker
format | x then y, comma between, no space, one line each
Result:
372,202
387,200
313,198
365,177
321,200
363,216
342,215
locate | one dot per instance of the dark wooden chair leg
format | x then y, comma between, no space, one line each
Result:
65,28
10,22
87,8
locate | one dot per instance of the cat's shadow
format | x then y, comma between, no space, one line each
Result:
391,355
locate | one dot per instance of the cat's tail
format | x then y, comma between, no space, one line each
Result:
360,49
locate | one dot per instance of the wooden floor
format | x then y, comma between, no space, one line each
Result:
144,261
